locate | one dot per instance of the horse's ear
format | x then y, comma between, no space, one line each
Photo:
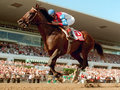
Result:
37,6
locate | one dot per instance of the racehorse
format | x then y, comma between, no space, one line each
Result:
55,42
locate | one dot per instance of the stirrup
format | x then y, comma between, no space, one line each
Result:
70,38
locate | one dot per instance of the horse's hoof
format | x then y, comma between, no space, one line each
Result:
60,79
75,81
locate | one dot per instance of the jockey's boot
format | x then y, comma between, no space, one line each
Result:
68,32
70,36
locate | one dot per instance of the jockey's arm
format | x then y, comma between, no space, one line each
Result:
62,23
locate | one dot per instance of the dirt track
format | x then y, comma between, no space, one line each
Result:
57,86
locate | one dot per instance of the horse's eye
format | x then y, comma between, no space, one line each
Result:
31,13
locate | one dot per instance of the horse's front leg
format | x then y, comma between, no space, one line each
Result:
52,63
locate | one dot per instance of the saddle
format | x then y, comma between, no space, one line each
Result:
73,34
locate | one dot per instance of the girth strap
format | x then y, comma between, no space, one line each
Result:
69,41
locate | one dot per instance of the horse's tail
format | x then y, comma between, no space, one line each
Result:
99,49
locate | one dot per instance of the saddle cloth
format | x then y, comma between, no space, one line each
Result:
78,35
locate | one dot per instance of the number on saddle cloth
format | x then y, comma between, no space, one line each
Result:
77,35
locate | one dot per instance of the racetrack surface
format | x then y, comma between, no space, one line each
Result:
56,86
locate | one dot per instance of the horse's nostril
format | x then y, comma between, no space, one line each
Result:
19,21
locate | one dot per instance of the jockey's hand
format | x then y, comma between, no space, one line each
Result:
55,23
49,23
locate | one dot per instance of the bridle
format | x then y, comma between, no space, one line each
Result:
36,12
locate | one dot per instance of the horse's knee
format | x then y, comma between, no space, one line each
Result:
49,62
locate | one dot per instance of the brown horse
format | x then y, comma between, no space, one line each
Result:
55,42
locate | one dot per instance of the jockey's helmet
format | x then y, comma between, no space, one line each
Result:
51,12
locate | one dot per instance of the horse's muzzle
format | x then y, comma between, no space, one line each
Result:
22,23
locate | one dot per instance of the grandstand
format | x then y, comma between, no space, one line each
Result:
26,44
22,52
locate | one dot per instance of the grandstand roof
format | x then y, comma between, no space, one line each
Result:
102,30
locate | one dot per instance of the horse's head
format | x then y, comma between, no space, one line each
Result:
35,15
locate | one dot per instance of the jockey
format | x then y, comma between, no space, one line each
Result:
62,19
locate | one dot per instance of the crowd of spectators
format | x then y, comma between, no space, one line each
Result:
109,58
112,58
18,72
19,49
11,71
101,75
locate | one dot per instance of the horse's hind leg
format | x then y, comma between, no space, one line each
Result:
76,55
85,61
85,50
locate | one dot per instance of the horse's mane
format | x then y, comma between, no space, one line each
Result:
47,16
45,13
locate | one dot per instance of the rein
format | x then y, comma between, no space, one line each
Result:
34,15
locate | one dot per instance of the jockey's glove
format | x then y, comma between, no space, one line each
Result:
54,23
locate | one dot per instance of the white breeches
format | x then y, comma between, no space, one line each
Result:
70,21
